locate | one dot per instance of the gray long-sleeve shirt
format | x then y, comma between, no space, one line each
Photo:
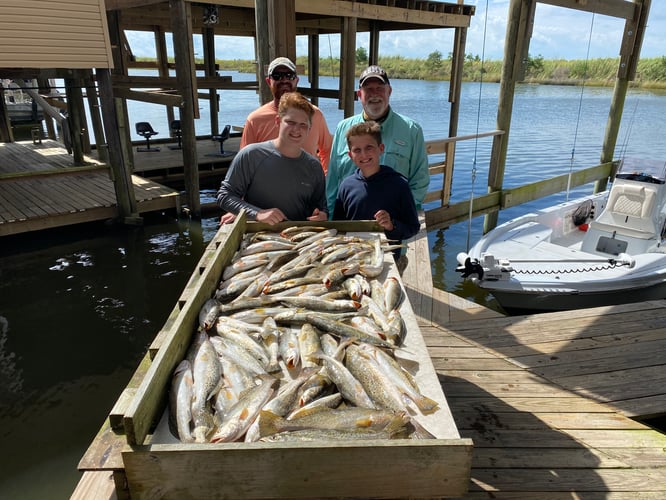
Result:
260,177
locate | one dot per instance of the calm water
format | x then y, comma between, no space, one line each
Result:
79,307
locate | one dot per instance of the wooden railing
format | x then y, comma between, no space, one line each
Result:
447,147
446,214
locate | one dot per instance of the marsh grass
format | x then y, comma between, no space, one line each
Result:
650,73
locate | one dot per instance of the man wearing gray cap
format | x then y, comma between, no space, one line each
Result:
263,123
404,149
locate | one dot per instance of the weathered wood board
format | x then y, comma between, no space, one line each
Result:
158,465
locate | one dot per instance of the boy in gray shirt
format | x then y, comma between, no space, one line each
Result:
276,180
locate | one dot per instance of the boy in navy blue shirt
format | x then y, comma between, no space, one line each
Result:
375,191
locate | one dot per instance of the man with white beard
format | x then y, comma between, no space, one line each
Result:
403,139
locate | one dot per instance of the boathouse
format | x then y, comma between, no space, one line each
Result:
99,27
48,183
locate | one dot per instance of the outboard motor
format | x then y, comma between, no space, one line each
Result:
468,267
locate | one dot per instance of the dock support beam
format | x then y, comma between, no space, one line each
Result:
75,107
181,18
517,29
313,66
121,174
208,37
262,49
632,40
348,65
6,134
95,117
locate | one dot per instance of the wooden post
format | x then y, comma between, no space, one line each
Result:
121,56
95,117
282,28
181,19
632,39
455,86
83,120
348,65
455,89
262,48
313,65
373,53
163,66
516,28
210,70
6,134
122,176
74,105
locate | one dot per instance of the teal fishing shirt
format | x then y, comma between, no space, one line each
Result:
404,151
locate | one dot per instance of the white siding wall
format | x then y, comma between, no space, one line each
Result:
54,34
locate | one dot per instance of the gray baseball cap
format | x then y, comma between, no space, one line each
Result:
373,72
281,61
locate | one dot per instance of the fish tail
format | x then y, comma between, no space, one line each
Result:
269,423
426,404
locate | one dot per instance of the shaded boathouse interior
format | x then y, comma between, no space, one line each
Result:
108,85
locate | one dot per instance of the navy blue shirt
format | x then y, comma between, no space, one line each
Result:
360,198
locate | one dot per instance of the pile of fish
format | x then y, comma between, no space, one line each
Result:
298,344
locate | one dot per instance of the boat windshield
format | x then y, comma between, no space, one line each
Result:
638,169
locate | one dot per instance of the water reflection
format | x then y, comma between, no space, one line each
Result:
444,246
11,378
76,316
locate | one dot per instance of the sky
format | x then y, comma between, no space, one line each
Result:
559,33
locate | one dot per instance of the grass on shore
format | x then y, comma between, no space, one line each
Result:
650,73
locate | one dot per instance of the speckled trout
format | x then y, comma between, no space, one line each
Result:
241,415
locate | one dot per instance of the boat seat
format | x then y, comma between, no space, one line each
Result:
226,133
177,132
628,212
145,130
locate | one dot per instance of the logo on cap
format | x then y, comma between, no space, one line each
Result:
373,72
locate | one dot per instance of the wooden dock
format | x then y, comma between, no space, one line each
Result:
166,165
552,402
40,189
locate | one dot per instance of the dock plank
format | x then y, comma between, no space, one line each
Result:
28,201
578,480
541,442
11,201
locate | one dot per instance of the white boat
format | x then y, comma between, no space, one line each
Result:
602,249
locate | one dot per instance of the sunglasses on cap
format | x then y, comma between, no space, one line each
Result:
281,75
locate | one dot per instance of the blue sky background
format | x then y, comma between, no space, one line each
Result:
559,33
